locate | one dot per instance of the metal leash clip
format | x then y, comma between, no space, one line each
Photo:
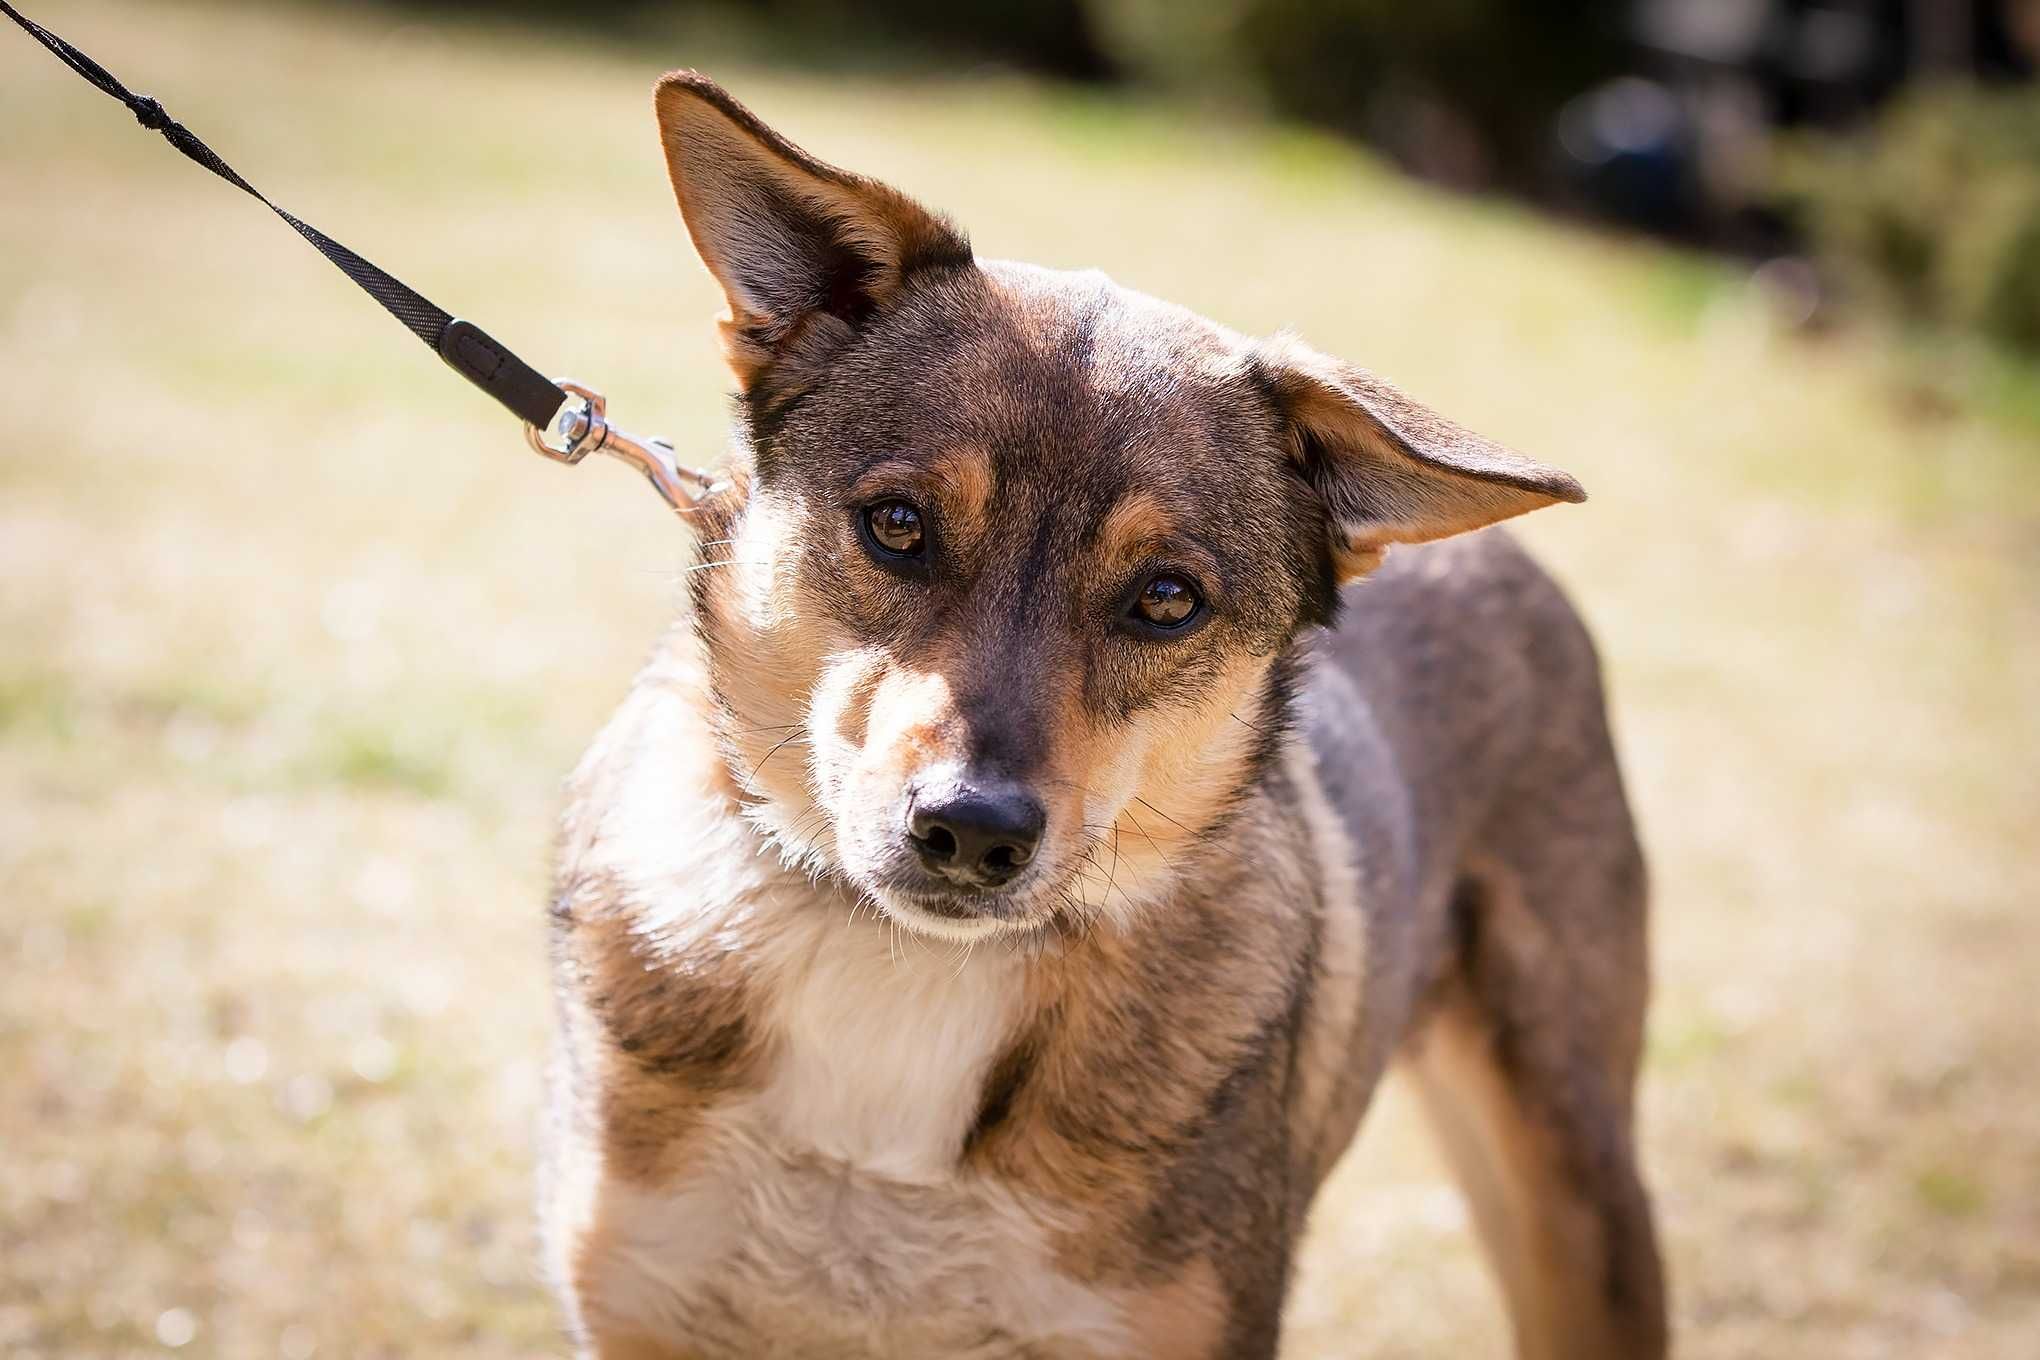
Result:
581,428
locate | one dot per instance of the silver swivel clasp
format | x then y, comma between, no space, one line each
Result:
580,428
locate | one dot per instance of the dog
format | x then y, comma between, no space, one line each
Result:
1062,799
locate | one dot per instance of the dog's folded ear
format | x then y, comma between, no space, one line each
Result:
1388,469
805,253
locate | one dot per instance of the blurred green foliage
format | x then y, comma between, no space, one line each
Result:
1498,68
1933,214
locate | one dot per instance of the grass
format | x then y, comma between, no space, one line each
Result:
296,641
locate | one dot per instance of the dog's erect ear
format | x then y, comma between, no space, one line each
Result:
804,252
1388,469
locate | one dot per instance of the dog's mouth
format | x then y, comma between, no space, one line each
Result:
954,914
944,920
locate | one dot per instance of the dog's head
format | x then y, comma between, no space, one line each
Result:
1002,614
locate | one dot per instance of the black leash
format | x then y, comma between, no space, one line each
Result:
566,420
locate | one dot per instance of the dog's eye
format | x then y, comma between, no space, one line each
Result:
1167,601
896,528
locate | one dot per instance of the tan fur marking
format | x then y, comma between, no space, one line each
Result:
619,1347
1352,560
746,361
1183,1319
1144,792
1543,1238
966,476
1136,526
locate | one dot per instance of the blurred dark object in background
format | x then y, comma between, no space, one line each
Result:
1896,141
1461,91
1628,150
1655,112
1739,72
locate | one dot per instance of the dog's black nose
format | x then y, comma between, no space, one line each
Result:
976,834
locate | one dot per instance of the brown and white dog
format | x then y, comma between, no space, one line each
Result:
986,920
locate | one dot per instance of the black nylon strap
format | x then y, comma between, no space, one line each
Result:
470,350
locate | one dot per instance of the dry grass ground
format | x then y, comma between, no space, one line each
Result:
295,643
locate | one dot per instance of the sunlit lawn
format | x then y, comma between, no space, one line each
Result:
296,642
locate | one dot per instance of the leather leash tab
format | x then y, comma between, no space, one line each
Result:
482,360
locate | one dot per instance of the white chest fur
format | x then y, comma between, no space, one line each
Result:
827,1214
882,1044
